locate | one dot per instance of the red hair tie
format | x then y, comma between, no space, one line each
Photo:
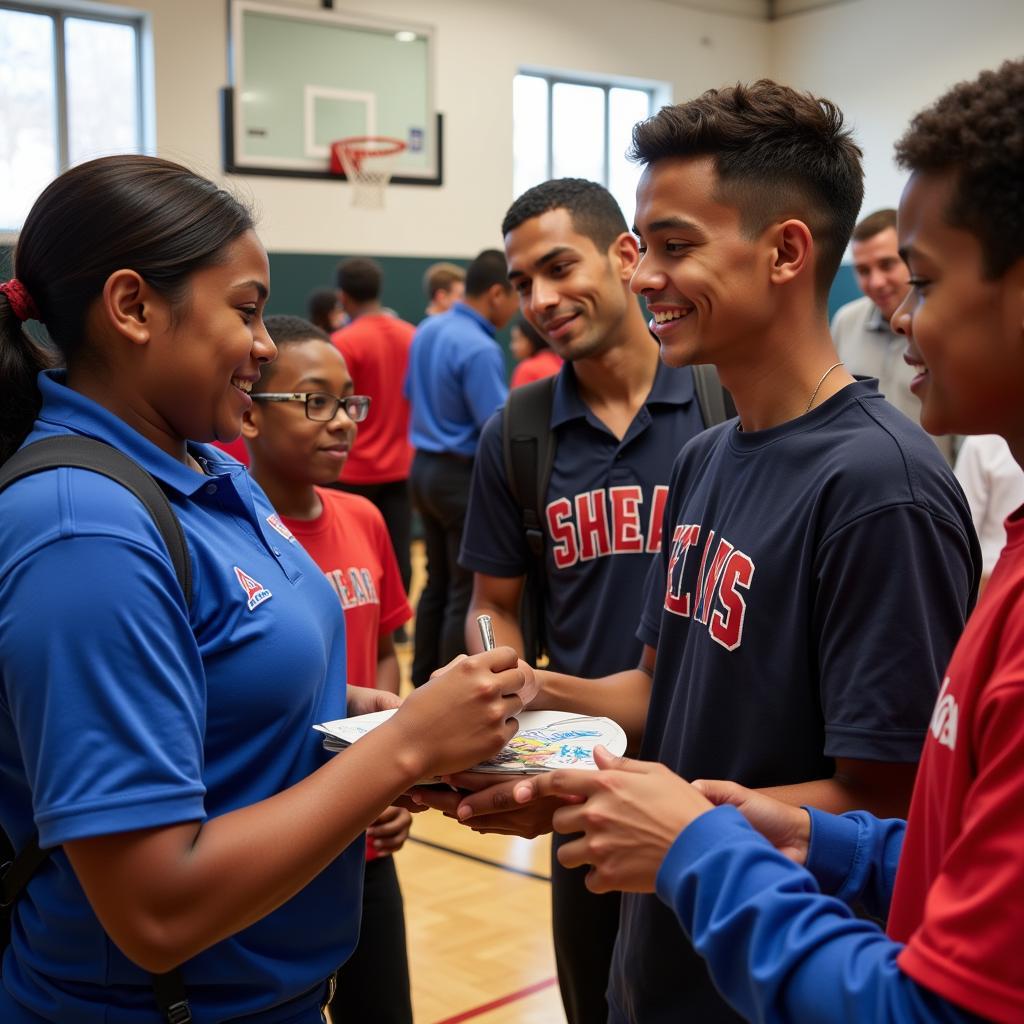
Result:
21,302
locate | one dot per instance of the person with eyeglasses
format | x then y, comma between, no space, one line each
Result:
293,457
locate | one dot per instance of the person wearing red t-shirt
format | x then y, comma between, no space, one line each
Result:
376,345
533,355
292,457
950,880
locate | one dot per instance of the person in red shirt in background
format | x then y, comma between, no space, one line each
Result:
299,433
376,345
532,353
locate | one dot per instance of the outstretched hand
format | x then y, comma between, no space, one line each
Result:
786,827
631,813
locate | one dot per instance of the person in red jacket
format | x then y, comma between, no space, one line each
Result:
376,346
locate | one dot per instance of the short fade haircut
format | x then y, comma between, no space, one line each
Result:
287,330
975,131
360,279
874,224
439,277
487,270
777,153
592,209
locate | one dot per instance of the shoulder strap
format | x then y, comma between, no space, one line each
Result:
529,449
716,404
88,453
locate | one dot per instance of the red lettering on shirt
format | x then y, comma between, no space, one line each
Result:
683,538
592,524
626,535
709,587
657,515
563,533
727,629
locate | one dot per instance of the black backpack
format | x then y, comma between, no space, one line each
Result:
87,453
528,445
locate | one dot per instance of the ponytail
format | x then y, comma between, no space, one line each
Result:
21,359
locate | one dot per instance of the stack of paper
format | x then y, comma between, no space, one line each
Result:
546,740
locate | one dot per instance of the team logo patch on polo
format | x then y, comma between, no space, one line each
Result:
255,593
274,522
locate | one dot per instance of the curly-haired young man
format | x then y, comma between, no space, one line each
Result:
777,947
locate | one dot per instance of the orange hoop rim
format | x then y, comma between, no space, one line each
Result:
357,147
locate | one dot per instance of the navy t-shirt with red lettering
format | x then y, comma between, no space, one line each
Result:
602,518
813,581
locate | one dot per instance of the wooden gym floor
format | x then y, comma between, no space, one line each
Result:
478,915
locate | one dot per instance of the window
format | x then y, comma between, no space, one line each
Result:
70,90
574,128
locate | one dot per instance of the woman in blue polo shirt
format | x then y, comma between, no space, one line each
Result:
164,751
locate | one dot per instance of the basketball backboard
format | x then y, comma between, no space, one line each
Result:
302,79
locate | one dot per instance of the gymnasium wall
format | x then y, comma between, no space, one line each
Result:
882,61
480,44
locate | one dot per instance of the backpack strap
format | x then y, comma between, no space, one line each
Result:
528,444
88,453
716,404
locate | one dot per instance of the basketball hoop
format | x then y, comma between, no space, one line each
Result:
368,162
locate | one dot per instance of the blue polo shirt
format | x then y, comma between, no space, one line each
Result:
123,709
813,581
455,381
602,518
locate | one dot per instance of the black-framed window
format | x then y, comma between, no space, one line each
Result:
71,88
574,127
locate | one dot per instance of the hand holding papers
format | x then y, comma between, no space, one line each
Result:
546,740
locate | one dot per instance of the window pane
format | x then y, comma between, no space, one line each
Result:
103,94
625,108
577,131
28,129
529,132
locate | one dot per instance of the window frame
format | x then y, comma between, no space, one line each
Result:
658,93
59,13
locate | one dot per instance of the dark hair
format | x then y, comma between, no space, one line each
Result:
360,279
874,224
537,340
592,209
321,304
777,152
155,217
287,330
975,131
487,270
441,277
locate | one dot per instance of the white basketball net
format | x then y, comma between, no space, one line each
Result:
368,166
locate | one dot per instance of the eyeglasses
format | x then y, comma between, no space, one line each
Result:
320,405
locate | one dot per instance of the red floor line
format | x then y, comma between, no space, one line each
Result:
512,997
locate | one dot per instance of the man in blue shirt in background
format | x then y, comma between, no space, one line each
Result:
456,380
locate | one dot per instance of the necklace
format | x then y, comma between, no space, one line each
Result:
817,387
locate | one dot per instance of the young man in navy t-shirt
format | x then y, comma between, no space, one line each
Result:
618,417
818,560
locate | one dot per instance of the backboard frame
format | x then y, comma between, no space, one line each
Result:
236,161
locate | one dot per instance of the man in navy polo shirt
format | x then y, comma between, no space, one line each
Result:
818,560
618,417
456,380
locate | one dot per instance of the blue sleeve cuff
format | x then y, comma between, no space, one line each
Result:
722,826
832,850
